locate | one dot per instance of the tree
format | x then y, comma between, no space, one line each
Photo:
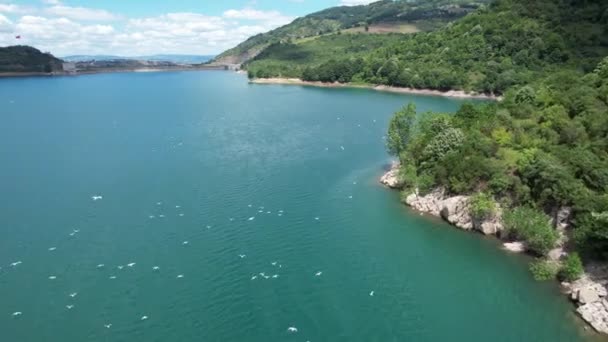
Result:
400,129
533,227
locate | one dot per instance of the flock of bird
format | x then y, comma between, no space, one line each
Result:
261,275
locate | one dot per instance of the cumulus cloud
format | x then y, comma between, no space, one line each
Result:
11,8
81,13
65,30
355,2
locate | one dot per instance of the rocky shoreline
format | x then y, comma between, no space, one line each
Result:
588,293
449,93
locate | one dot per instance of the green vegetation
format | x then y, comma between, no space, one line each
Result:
378,17
482,206
533,227
508,43
543,269
572,268
27,59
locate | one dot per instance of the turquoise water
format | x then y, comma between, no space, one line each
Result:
184,163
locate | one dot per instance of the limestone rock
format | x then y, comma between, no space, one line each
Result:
455,210
588,295
556,254
596,315
516,246
391,178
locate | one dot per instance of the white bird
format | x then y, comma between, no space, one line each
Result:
131,264
260,211
69,307
100,265
185,243
350,197
120,267
208,227
242,256
266,277
292,329
96,197
74,294
112,277
280,214
18,313
181,214
161,215
371,294
342,147
275,276
52,277
155,268
177,206
249,205
318,274
262,274
159,203
151,216
231,219
108,326
274,263
180,276
254,277
52,249
268,212
252,218
16,263
317,218
281,211
143,318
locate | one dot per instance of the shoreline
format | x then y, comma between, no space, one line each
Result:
104,71
588,294
429,92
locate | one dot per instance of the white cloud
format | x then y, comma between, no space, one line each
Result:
81,13
5,24
51,2
65,30
355,2
11,8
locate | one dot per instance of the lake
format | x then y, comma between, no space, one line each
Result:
193,206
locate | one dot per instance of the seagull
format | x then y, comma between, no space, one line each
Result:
268,212
143,318
108,326
274,263
120,267
180,276
355,183
242,256
342,147
249,205
74,294
161,215
112,277
155,268
100,265
350,197
281,211
69,307
252,218
76,230
266,277
280,214
292,329
131,264
151,216
208,227
317,218
260,211
231,219
96,197
52,277
181,214
52,249
185,243
275,276
254,277
18,313
177,206
159,203
72,234
318,274
262,274
16,263
371,294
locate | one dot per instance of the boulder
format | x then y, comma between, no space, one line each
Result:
596,315
556,254
489,227
588,295
515,247
456,211
391,178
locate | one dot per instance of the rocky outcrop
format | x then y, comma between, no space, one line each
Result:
391,178
515,246
590,295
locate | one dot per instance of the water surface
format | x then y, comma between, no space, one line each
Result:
215,182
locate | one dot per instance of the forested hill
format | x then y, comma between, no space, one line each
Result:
16,59
509,42
379,17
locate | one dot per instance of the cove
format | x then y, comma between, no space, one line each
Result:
210,188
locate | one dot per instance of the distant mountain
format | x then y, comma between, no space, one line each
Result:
386,16
177,59
26,59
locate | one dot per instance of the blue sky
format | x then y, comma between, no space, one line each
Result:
141,27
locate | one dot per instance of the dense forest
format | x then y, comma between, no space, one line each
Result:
27,59
504,44
387,14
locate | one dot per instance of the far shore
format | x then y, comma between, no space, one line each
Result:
449,93
105,71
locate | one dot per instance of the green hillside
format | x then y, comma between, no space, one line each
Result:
381,16
27,59
510,42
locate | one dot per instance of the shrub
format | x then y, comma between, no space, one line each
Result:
543,269
532,226
482,206
572,269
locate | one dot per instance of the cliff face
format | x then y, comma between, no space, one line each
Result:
16,59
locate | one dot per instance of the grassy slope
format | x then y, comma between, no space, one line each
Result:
423,15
